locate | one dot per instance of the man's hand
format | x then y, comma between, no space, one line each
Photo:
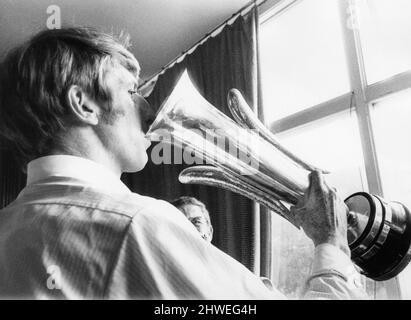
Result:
322,214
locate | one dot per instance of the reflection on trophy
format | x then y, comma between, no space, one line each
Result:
243,156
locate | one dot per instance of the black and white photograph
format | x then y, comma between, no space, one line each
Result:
222,152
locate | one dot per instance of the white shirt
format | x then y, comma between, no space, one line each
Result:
77,217
79,168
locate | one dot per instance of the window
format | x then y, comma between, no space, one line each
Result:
304,62
385,30
314,55
332,143
392,117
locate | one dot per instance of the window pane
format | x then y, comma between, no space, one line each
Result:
302,55
385,30
391,122
332,143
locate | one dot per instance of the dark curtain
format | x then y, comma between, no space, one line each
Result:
12,179
228,60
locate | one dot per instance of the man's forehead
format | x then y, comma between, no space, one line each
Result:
192,211
120,75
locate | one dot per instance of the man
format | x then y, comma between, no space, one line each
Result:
197,213
70,108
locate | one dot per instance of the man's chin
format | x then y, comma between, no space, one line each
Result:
136,166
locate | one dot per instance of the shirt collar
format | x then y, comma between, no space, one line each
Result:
79,168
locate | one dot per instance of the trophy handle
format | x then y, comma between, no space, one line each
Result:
216,177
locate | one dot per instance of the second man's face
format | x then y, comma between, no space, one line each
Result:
196,216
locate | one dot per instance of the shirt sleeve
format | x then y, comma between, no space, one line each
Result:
333,276
163,256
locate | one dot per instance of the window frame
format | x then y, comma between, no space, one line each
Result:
360,99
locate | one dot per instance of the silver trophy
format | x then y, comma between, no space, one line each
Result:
243,156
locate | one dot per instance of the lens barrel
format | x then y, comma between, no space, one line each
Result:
379,235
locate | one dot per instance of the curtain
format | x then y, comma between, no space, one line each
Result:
12,179
228,60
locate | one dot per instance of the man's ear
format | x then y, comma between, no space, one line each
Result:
82,107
